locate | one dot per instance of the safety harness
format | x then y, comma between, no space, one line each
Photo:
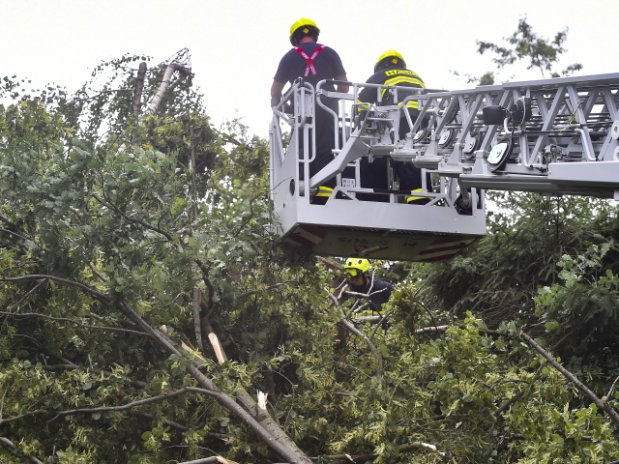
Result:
309,60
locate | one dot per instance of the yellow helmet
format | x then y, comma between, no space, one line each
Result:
356,266
390,59
303,26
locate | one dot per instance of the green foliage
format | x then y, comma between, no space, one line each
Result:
551,264
581,310
102,209
524,45
499,276
118,218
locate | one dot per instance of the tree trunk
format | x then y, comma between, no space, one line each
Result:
139,87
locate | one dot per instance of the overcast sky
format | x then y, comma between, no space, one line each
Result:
236,44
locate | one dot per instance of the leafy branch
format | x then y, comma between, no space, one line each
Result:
613,414
70,321
272,435
136,403
10,445
525,45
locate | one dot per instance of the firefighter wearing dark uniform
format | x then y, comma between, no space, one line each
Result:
390,69
360,281
313,62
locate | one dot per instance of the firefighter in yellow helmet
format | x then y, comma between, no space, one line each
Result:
307,59
313,62
361,282
390,69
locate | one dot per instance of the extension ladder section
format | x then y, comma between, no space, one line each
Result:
553,136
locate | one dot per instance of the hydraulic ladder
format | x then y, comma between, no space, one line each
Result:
558,136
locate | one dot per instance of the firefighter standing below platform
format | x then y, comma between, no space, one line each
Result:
390,69
363,286
313,62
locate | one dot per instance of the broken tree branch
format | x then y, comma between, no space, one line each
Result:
215,459
274,437
331,264
416,445
262,416
165,83
432,330
139,87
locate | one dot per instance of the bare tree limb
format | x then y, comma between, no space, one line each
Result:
197,319
346,323
132,404
437,329
571,377
205,270
72,283
330,263
220,355
71,321
612,388
209,460
359,459
21,416
12,232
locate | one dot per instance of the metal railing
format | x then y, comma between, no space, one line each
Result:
370,126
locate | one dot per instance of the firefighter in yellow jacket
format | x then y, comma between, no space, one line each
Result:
390,69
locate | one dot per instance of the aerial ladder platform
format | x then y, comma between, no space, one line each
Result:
553,136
